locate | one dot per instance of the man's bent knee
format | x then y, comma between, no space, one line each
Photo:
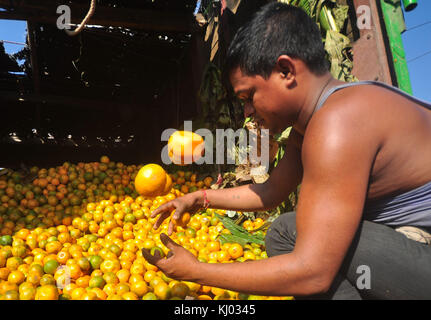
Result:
281,235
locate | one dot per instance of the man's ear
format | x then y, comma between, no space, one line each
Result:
286,67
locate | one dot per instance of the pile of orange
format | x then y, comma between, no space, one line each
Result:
76,232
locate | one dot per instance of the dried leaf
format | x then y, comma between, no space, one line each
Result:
209,30
201,19
233,5
215,43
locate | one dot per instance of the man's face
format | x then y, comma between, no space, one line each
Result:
265,100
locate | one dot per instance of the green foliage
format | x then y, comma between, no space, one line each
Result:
238,233
331,17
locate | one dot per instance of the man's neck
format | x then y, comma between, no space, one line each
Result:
316,89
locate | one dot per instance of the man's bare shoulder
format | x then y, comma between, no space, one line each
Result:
356,109
348,120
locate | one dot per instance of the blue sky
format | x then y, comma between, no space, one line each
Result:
13,31
416,43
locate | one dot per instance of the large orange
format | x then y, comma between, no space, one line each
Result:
47,292
168,185
150,180
235,250
185,147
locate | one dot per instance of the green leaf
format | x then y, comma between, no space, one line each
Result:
239,232
230,238
340,15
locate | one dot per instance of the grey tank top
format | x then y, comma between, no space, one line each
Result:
411,208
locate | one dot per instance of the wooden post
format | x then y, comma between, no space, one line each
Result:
370,60
34,67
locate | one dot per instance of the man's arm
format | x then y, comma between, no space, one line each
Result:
268,195
252,197
337,159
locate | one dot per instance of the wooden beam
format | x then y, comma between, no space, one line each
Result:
46,12
61,101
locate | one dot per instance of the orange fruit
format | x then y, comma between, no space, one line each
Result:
217,291
213,246
63,256
223,256
156,281
248,225
185,147
193,286
137,269
47,279
109,289
135,278
208,181
180,290
69,288
28,293
22,234
83,281
50,266
47,292
123,275
75,271
249,255
235,250
150,180
129,296
163,291
149,275
16,277
77,293
11,295
104,159
168,185
122,288
110,266
13,263
7,286
4,273
140,288
182,222
96,282
101,295
89,295
110,278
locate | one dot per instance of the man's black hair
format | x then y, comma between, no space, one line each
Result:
276,29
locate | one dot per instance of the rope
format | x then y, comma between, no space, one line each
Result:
84,22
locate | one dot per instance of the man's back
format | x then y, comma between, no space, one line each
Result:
402,128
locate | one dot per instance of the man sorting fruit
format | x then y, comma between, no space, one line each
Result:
361,153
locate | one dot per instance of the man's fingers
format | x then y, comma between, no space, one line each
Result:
177,214
171,227
168,242
159,221
162,208
149,257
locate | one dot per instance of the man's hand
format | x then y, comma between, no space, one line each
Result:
188,203
179,263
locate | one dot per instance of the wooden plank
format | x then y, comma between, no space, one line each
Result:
370,60
104,16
